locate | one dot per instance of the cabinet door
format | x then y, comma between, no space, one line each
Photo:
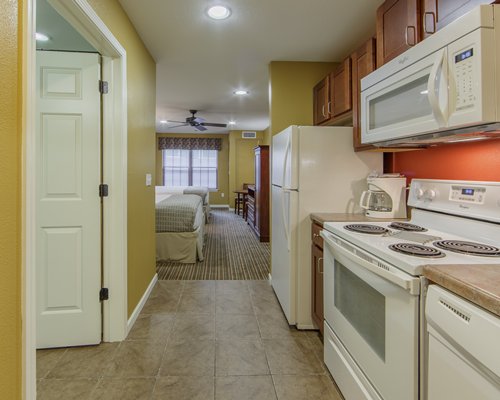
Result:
320,101
398,28
340,89
439,13
317,286
363,62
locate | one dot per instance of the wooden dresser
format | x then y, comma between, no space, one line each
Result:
258,195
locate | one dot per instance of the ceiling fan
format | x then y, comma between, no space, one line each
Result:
196,122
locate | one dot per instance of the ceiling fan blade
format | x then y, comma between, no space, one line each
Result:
178,122
200,127
215,125
176,126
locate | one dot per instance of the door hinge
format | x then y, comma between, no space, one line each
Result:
104,294
103,190
103,87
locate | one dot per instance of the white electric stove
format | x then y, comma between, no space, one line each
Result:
374,290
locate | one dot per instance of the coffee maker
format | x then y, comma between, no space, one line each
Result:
385,197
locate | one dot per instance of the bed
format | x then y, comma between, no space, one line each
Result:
180,224
201,191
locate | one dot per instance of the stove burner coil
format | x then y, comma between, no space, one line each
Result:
366,228
471,248
405,226
417,250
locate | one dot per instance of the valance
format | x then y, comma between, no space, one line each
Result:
189,143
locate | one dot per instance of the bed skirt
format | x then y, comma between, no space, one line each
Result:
183,247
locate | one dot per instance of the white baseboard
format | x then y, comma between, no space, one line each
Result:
219,206
140,305
304,327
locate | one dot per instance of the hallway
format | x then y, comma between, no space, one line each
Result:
196,340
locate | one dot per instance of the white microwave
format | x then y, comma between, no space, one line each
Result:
444,89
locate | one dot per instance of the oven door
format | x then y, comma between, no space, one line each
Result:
370,307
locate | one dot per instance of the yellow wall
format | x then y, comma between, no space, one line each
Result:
291,83
141,92
267,136
10,201
241,161
222,166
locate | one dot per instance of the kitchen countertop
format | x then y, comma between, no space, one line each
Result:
321,218
480,284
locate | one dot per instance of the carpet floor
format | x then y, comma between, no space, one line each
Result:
231,251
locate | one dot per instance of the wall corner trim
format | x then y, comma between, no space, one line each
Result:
142,302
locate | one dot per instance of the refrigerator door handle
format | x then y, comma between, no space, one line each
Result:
285,159
285,225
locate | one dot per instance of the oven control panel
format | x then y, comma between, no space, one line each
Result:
474,199
469,194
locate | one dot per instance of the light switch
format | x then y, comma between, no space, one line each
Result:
148,179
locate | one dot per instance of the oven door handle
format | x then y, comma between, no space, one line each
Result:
399,278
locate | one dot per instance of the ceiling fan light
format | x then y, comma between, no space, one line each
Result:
240,92
219,12
163,121
231,123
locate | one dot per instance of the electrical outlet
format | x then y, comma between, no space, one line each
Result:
222,195
149,179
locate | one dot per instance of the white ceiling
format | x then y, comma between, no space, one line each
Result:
200,62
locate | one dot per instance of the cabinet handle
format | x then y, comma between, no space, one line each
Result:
317,265
323,110
330,107
315,235
431,13
414,36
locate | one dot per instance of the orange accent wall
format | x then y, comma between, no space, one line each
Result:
479,161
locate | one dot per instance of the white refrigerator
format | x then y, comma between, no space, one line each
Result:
313,170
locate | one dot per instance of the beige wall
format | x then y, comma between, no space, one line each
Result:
291,84
241,160
10,201
141,92
221,196
267,136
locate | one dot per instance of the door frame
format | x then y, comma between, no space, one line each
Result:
114,151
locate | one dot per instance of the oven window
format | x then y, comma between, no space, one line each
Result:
362,306
404,103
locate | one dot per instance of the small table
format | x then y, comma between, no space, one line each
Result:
241,197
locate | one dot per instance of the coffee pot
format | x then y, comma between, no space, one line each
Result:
385,197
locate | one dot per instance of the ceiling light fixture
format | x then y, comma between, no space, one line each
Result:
41,37
231,123
240,92
163,121
219,12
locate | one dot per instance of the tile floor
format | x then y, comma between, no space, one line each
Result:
196,340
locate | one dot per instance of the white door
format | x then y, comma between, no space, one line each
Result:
283,243
68,210
285,158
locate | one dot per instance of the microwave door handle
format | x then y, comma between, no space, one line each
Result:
431,90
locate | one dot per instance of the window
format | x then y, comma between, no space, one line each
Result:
190,168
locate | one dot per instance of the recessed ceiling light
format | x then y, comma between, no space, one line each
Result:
163,121
240,92
219,12
41,37
232,123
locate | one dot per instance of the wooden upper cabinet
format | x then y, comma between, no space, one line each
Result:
321,94
363,62
438,13
341,89
398,28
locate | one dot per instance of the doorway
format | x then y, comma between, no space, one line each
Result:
81,16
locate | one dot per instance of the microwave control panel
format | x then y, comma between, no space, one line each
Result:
464,72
